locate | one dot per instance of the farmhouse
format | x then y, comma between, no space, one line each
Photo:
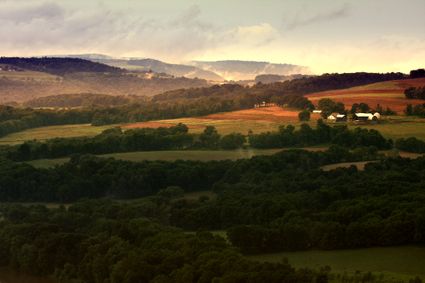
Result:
367,117
335,117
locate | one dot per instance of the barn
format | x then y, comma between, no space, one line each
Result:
336,117
367,117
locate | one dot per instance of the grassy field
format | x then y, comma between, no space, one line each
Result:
202,155
62,131
398,262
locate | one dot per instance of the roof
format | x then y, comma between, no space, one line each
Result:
363,115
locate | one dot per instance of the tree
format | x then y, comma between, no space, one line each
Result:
210,137
232,141
304,115
328,106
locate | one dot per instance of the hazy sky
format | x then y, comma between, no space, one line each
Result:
327,36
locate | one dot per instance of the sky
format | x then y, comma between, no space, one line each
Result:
324,35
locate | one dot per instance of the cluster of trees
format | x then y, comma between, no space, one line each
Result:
328,106
417,110
415,93
115,140
58,66
323,134
411,144
104,241
419,73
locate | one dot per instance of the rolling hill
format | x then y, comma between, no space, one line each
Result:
387,94
23,79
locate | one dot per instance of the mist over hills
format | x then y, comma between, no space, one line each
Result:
231,70
248,70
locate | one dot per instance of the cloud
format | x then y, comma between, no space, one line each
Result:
301,20
26,14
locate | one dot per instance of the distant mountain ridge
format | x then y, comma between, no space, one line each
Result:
218,71
248,70
175,69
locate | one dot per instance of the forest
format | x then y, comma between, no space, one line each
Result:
104,241
283,202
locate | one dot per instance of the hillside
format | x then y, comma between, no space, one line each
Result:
23,79
81,100
387,94
58,66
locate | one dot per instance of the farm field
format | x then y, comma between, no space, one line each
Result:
387,94
255,120
44,133
397,262
202,155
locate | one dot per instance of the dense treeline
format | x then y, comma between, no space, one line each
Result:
90,177
115,140
322,134
58,66
283,202
415,93
104,241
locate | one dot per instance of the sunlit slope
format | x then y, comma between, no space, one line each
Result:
387,94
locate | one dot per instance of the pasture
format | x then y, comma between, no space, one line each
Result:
396,262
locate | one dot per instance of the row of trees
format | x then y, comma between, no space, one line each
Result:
115,140
323,134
